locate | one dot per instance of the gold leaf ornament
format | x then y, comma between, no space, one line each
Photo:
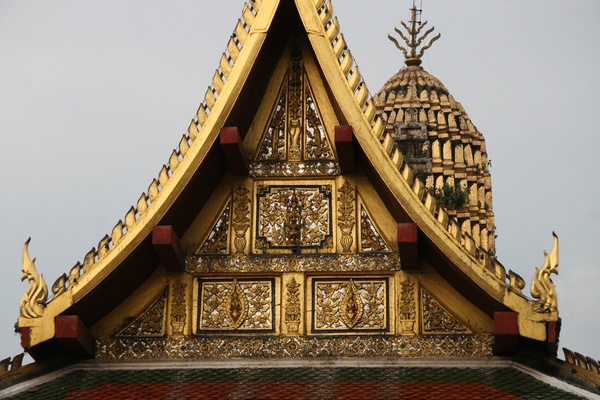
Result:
352,307
237,305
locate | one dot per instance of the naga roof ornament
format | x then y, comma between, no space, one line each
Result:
34,299
413,41
542,287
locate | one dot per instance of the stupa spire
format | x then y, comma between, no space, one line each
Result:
413,40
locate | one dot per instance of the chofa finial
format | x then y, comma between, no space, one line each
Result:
542,287
413,42
34,299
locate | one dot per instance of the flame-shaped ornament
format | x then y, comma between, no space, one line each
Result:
34,299
352,307
542,287
237,305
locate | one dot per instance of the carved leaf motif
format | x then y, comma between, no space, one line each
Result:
371,240
317,144
352,307
436,319
151,323
237,305
178,308
407,300
241,217
346,218
218,237
292,309
273,145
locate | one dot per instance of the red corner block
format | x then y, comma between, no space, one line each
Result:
552,335
408,246
73,335
24,338
166,244
231,143
345,149
506,332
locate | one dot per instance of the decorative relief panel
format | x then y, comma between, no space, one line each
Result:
214,347
407,309
350,305
273,145
370,239
317,145
293,263
241,217
294,169
346,219
245,305
292,306
218,238
295,142
178,308
436,319
293,217
152,322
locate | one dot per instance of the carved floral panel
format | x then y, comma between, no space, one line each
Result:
293,217
436,319
350,305
245,305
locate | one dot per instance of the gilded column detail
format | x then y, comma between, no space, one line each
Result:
346,218
178,308
407,309
293,309
241,217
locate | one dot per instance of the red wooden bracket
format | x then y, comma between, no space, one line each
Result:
506,332
344,138
552,335
166,244
73,335
24,338
231,143
408,246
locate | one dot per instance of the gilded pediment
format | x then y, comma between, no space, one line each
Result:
319,216
294,128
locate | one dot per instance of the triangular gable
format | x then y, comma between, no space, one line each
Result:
282,54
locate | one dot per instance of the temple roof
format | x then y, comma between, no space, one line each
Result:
123,260
430,379
130,297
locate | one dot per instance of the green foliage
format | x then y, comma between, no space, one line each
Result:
450,196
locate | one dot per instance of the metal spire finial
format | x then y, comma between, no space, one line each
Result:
413,58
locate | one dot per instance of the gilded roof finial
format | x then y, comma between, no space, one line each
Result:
542,287
413,42
34,299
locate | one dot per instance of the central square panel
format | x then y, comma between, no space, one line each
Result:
294,218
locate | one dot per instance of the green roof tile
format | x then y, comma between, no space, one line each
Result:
300,383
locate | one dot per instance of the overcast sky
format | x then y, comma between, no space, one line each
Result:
94,95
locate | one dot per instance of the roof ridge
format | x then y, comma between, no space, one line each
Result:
348,65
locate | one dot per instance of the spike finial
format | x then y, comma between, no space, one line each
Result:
413,41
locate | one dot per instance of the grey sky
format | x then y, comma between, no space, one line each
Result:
95,95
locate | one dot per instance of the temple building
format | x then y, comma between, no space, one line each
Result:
304,240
